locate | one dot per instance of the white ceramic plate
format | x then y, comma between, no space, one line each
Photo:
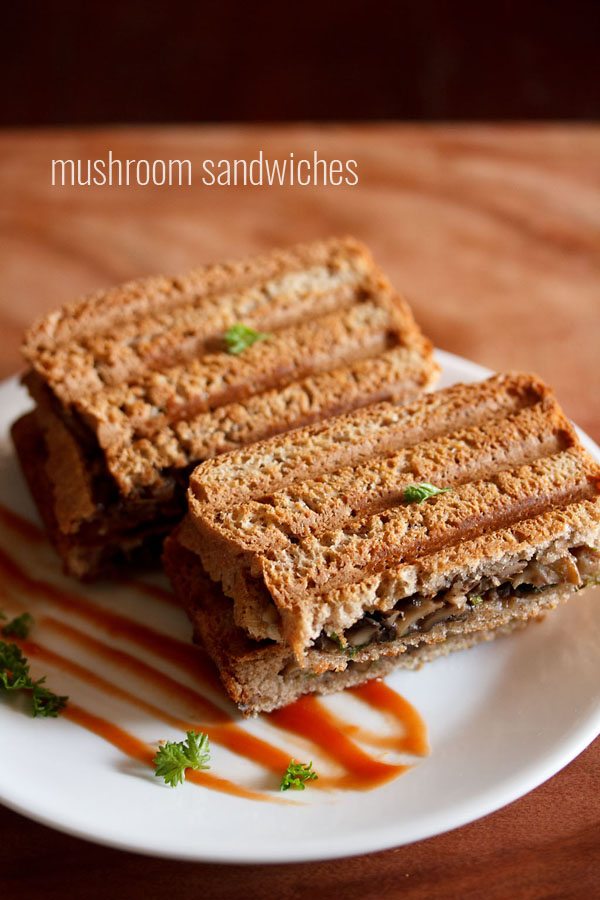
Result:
502,718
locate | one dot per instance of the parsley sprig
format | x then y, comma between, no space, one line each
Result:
45,703
417,493
296,775
174,757
239,337
18,627
14,668
15,676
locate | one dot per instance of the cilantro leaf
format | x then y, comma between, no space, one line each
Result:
239,337
296,775
417,493
174,757
18,627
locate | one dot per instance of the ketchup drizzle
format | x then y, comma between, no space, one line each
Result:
334,737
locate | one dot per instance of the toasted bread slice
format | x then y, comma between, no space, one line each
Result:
137,382
321,536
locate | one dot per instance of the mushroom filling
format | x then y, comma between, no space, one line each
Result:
579,567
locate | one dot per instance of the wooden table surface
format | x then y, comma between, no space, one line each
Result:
493,234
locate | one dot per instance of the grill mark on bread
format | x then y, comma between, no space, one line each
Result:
404,533
217,379
141,378
150,298
275,411
398,374
103,360
436,568
351,439
465,455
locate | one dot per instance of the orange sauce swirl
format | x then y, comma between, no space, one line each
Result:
331,736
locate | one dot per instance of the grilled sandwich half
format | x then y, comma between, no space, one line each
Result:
136,385
385,537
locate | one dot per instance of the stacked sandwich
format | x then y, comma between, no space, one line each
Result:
328,519
382,538
134,386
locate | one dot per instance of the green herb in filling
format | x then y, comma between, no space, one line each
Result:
345,647
333,636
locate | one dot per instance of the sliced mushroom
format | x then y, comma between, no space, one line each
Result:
456,595
325,643
414,615
441,615
454,603
588,562
363,635
567,570
537,574
389,619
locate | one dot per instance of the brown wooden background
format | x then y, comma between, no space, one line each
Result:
494,235
225,60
